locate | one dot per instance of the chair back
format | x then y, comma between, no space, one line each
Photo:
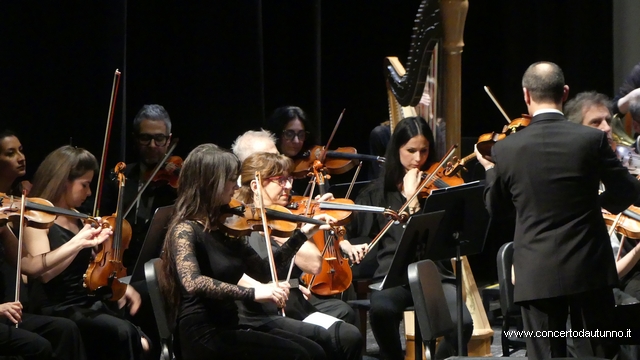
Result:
505,261
151,269
429,302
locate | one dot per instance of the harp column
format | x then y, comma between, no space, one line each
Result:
454,14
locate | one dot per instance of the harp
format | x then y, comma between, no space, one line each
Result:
433,67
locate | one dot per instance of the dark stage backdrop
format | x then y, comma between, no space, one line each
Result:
205,63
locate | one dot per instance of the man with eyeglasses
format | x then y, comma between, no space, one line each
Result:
152,136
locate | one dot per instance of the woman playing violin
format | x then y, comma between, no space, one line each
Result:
65,250
204,270
38,336
342,340
293,130
410,152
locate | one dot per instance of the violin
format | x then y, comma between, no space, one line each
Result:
39,214
168,173
625,225
441,180
335,275
238,219
486,141
301,205
101,277
333,165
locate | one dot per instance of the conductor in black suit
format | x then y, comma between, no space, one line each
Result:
549,174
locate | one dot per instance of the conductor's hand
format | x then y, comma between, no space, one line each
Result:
11,311
485,161
310,229
271,293
89,237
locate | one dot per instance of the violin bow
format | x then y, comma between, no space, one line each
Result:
495,101
19,259
107,136
325,149
153,174
335,129
353,180
429,179
267,235
323,155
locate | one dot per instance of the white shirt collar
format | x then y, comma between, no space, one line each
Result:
542,111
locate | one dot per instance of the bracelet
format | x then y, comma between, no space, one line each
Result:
490,167
44,260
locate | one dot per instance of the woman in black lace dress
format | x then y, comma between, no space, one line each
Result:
205,271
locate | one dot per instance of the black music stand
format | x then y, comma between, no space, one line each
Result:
419,230
462,231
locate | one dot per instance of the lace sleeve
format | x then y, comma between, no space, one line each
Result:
183,238
258,268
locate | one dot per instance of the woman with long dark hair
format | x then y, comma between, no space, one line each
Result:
409,154
65,251
38,336
204,271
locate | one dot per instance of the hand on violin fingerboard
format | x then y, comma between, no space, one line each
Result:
410,182
486,163
310,229
325,197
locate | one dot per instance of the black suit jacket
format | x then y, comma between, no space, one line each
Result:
549,173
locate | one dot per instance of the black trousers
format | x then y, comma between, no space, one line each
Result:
200,340
42,337
334,307
594,308
387,309
106,335
340,341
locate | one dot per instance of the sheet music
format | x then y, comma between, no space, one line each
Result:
320,319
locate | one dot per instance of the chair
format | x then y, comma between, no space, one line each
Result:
431,310
510,311
151,269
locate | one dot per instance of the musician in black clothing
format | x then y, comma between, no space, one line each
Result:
204,270
152,133
37,337
409,153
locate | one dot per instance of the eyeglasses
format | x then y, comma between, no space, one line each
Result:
159,139
281,180
290,134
